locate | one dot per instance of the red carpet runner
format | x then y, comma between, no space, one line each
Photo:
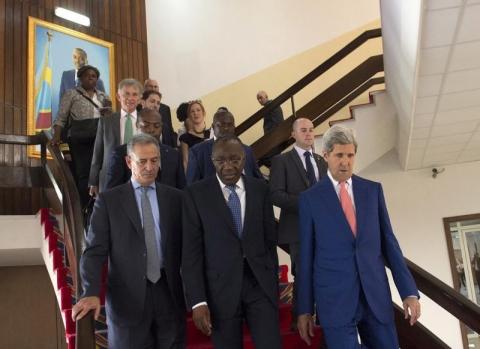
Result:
54,255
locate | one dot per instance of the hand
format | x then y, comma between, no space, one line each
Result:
105,110
93,191
56,139
412,305
84,306
305,327
201,318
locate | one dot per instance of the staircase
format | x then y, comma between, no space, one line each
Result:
374,118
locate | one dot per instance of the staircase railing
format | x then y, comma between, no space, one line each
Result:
60,176
324,105
280,137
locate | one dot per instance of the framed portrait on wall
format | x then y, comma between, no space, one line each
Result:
55,53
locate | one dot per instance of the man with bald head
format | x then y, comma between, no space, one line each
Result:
292,173
273,118
152,85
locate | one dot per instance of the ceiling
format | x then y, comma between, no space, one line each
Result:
445,123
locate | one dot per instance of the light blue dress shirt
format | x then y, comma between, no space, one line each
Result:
152,196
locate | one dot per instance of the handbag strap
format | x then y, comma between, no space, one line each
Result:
87,98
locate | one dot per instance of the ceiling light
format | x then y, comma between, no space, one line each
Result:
72,16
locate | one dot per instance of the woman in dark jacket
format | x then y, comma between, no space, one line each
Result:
79,110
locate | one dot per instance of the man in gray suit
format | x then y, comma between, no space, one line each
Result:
291,173
113,130
137,228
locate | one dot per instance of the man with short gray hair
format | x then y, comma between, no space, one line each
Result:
137,228
113,130
346,240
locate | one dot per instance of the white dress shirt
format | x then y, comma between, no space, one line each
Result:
336,185
123,120
240,190
300,152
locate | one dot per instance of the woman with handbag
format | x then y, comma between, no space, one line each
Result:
79,111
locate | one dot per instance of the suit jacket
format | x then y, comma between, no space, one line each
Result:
116,235
288,178
272,119
341,264
171,168
68,82
168,135
213,254
106,140
200,164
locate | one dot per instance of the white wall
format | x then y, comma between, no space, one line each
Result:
197,46
401,36
417,204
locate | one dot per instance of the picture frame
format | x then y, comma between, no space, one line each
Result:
54,54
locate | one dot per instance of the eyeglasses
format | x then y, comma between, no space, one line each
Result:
222,162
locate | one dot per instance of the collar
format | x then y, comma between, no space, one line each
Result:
336,183
137,185
123,114
301,151
239,183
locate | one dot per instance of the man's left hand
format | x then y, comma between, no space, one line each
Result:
411,306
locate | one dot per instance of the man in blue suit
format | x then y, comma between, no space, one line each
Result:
69,77
200,164
345,242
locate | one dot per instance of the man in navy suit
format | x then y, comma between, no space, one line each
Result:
136,228
345,242
200,164
69,77
171,170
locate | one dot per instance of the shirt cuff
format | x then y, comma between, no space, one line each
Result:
199,304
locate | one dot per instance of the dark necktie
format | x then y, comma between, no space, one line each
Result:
235,207
310,171
153,256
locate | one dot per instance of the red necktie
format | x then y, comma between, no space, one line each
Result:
347,206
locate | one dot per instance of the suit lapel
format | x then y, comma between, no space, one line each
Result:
359,197
320,166
299,165
129,205
250,206
329,195
164,216
116,128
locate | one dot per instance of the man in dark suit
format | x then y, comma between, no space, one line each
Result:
171,169
113,130
272,119
69,77
168,135
345,242
136,227
292,173
200,164
229,257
